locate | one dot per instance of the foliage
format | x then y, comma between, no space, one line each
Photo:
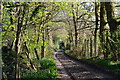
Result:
44,75
50,52
48,63
48,71
69,52
72,53
8,58
8,55
42,24
115,66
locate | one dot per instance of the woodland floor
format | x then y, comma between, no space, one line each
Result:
70,69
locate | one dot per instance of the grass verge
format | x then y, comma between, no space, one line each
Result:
111,65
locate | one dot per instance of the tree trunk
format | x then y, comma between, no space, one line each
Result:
38,35
96,28
36,53
91,50
88,48
17,47
85,48
75,26
27,54
17,41
102,27
51,39
1,39
43,43
113,24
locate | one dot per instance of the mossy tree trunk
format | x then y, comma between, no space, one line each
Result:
102,28
113,24
97,6
75,25
18,38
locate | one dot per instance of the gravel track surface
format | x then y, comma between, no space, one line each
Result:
70,69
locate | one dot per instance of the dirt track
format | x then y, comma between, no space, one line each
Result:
70,69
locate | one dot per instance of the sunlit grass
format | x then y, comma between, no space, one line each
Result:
115,66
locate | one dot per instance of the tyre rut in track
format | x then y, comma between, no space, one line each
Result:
78,71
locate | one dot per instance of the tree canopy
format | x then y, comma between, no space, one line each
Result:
31,31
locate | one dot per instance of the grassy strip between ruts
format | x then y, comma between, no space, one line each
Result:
106,63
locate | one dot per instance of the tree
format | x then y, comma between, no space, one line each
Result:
102,27
97,6
75,24
113,23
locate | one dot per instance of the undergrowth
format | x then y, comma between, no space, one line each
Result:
47,71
